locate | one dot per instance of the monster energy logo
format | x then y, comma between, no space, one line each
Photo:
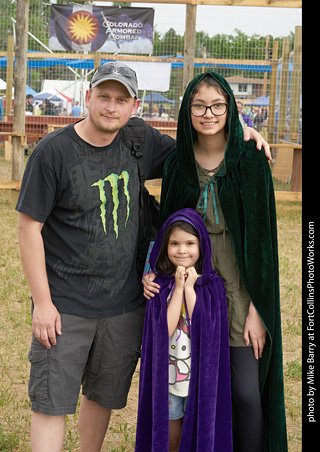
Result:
113,180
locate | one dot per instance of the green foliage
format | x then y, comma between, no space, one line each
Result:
237,45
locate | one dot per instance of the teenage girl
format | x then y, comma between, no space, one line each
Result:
229,183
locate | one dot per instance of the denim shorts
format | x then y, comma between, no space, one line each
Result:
99,354
177,406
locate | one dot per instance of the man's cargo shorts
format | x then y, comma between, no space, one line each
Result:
99,354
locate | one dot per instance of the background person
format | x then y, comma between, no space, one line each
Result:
29,102
48,108
243,116
76,110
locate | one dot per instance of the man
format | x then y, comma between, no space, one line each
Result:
76,110
29,101
78,232
244,119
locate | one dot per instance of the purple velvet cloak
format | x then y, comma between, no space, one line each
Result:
207,425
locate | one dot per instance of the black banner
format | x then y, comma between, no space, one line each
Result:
105,29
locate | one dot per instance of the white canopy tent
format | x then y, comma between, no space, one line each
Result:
3,84
69,88
63,98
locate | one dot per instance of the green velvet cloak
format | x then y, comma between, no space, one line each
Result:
246,195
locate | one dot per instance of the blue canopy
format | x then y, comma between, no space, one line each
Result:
157,98
49,96
262,101
29,90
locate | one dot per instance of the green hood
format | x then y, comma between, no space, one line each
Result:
186,135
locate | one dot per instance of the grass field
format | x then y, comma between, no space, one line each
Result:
15,336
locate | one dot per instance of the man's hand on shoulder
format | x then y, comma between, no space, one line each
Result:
251,134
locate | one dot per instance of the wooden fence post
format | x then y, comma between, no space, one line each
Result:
9,75
20,79
296,86
97,59
273,89
189,45
8,109
283,89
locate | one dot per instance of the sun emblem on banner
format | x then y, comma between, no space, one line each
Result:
82,27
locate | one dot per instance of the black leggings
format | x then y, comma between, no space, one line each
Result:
246,400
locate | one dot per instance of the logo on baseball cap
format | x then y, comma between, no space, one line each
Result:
119,72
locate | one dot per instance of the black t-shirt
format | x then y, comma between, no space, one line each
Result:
88,199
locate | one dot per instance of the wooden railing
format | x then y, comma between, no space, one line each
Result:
37,127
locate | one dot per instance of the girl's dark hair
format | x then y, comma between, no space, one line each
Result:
163,264
208,80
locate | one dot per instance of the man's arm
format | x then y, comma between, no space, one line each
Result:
163,145
46,321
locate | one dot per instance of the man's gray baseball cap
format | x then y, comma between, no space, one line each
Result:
119,72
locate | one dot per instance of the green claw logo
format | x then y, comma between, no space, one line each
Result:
113,180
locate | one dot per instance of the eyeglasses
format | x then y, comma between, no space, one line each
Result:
218,109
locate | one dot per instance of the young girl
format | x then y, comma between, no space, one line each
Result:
230,185
185,388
